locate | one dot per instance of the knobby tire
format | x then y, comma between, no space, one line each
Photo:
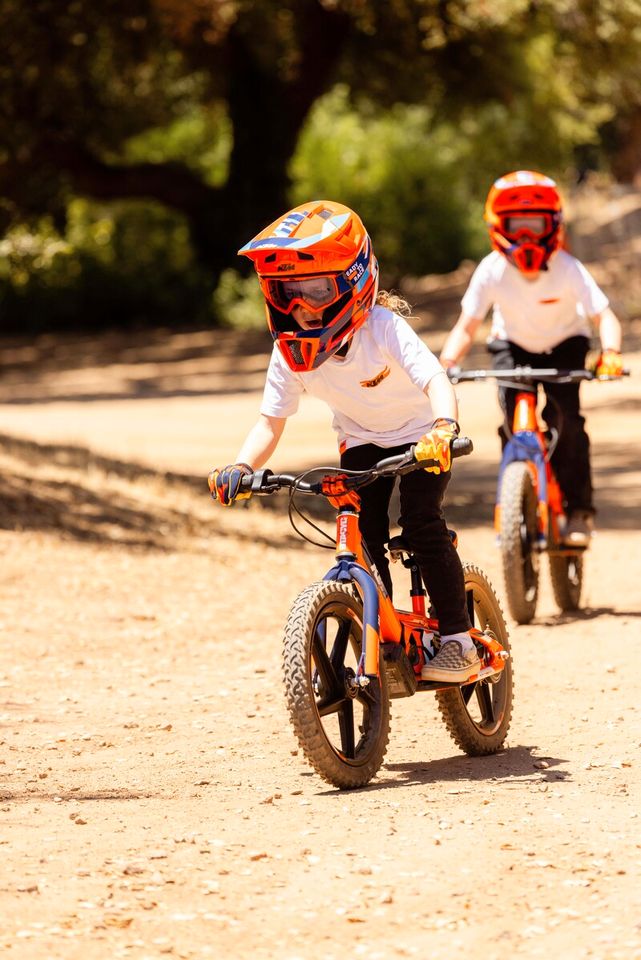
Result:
518,541
344,737
478,715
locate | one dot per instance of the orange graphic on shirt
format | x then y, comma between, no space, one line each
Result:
551,300
374,382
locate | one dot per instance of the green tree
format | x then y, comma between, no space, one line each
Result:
199,104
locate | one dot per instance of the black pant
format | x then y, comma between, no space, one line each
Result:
571,458
423,526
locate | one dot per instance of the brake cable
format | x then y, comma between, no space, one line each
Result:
293,507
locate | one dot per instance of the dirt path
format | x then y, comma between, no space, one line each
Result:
152,799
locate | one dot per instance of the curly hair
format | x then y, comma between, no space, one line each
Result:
394,302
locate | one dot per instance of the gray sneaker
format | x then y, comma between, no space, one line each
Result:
451,664
579,530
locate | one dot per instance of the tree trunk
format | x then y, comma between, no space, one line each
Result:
626,156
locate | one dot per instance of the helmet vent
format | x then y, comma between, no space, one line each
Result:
270,258
305,256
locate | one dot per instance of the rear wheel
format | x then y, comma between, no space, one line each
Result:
518,541
342,728
478,715
566,572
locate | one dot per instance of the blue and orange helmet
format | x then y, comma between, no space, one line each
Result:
317,255
524,214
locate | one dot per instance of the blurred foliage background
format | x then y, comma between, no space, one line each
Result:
142,142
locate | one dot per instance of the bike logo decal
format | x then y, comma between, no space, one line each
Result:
374,382
342,532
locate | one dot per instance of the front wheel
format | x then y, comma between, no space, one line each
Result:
342,727
518,541
478,715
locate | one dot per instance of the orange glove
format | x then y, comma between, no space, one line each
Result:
609,364
338,494
224,483
435,445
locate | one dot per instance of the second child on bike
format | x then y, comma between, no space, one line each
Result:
339,339
544,305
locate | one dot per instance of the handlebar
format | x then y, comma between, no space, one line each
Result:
264,481
528,374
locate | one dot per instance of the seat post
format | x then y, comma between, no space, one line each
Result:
399,549
417,591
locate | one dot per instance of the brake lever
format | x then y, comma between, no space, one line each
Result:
258,479
409,464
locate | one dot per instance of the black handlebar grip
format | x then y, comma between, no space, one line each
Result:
462,447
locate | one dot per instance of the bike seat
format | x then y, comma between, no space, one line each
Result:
400,545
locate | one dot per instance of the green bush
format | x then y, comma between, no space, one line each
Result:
122,265
238,302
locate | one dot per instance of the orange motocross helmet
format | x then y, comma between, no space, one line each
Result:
319,256
524,214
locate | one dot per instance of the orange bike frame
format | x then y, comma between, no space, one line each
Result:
382,622
353,563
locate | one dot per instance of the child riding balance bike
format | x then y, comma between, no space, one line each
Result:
544,304
339,339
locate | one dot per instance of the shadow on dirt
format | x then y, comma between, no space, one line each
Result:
515,764
87,497
135,365
90,497
585,614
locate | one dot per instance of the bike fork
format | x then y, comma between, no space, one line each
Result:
351,561
348,570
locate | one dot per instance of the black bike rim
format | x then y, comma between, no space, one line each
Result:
346,714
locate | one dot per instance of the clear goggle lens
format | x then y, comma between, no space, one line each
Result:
537,225
313,292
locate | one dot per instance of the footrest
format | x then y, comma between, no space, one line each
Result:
401,679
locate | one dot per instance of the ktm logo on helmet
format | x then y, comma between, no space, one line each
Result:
285,266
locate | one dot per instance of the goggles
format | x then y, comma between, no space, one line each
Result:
315,293
537,225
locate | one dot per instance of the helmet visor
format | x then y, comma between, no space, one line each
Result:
315,293
537,225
